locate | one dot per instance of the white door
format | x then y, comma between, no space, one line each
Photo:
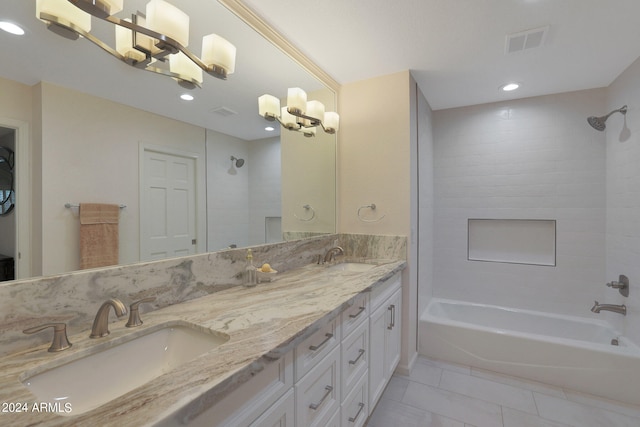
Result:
167,206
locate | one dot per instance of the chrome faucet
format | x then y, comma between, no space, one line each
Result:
597,307
331,253
101,322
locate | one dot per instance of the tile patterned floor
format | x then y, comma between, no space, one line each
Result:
439,394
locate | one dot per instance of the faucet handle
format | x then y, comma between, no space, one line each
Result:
60,341
134,312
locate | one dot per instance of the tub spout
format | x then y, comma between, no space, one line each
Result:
621,309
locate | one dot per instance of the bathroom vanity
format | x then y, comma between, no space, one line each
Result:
314,347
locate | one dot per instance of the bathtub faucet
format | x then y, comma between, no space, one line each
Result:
597,307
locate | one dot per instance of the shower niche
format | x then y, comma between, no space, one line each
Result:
515,241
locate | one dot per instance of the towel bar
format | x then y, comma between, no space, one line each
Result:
70,205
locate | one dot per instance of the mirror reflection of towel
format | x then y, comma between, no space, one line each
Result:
99,240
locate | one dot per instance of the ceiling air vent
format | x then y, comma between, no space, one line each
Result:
526,40
223,111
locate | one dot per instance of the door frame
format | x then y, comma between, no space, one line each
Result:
200,190
22,210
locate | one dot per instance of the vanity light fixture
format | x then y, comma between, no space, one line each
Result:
299,115
155,41
11,28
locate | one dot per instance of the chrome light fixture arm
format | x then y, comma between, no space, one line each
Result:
298,127
314,121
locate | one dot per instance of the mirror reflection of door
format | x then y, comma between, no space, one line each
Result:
7,203
168,207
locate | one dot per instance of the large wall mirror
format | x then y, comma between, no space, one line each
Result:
95,125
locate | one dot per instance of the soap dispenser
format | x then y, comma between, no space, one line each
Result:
250,276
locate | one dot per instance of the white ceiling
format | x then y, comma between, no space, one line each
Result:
456,48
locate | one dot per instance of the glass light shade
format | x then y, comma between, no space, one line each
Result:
297,99
268,105
287,119
315,109
115,6
64,10
167,19
218,51
181,64
124,44
331,121
99,8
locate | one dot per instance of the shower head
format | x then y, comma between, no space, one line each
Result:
598,123
239,162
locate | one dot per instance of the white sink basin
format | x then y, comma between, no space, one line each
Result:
351,266
96,379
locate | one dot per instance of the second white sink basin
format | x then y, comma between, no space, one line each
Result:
351,266
94,380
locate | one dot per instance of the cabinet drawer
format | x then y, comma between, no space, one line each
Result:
355,409
355,358
314,348
357,313
247,402
318,393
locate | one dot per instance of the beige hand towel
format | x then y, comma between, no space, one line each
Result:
99,240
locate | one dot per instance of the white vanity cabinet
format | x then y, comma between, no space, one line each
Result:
264,392
384,336
331,379
355,362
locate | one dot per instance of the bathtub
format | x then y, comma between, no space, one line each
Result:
565,351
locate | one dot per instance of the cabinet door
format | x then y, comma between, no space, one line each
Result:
377,338
318,392
393,334
355,409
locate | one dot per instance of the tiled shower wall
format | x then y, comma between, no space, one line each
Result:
623,197
534,158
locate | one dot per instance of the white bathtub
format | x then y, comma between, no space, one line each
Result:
566,351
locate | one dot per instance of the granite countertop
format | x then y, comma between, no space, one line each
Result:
263,323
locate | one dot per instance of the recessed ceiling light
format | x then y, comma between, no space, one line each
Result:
269,128
12,28
510,86
186,97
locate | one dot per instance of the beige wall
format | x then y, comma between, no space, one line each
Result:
15,100
89,152
377,136
373,154
309,176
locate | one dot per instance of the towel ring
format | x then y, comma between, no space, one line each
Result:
372,206
307,207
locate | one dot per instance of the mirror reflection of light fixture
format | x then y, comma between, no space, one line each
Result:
299,115
144,41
